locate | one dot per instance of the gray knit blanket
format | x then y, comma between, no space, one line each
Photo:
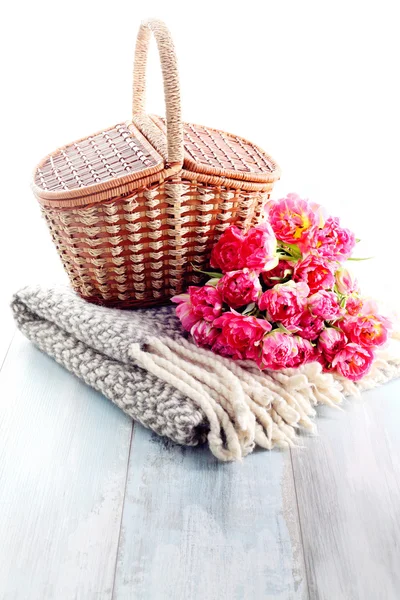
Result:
143,362
93,343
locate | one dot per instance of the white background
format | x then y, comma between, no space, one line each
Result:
315,83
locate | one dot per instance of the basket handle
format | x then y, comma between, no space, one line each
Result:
171,87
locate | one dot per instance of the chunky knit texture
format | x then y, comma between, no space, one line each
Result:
142,361
93,343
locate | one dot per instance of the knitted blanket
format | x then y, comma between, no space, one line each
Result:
143,362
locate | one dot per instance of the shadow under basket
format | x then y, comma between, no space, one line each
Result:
134,210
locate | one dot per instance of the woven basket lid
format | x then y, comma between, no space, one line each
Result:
213,152
100,162
121,157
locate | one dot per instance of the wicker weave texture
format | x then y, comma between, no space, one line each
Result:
219,150
118,152
126,252
106,155
216,152
134,210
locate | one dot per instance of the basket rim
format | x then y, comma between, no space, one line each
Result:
126,190
109,184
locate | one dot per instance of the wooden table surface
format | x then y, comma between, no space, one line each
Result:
94,507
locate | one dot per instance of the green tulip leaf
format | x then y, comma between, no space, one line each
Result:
214,281
212,274
360,259
249,308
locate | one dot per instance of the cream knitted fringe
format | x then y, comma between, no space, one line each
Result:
246,407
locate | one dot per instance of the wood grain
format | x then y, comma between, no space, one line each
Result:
63,461
195,528
348,487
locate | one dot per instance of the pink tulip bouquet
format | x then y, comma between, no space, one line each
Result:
280,295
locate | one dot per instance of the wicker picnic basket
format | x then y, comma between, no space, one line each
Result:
135,209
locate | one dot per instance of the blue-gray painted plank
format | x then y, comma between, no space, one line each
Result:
63,461
348,487
7,328
195,528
